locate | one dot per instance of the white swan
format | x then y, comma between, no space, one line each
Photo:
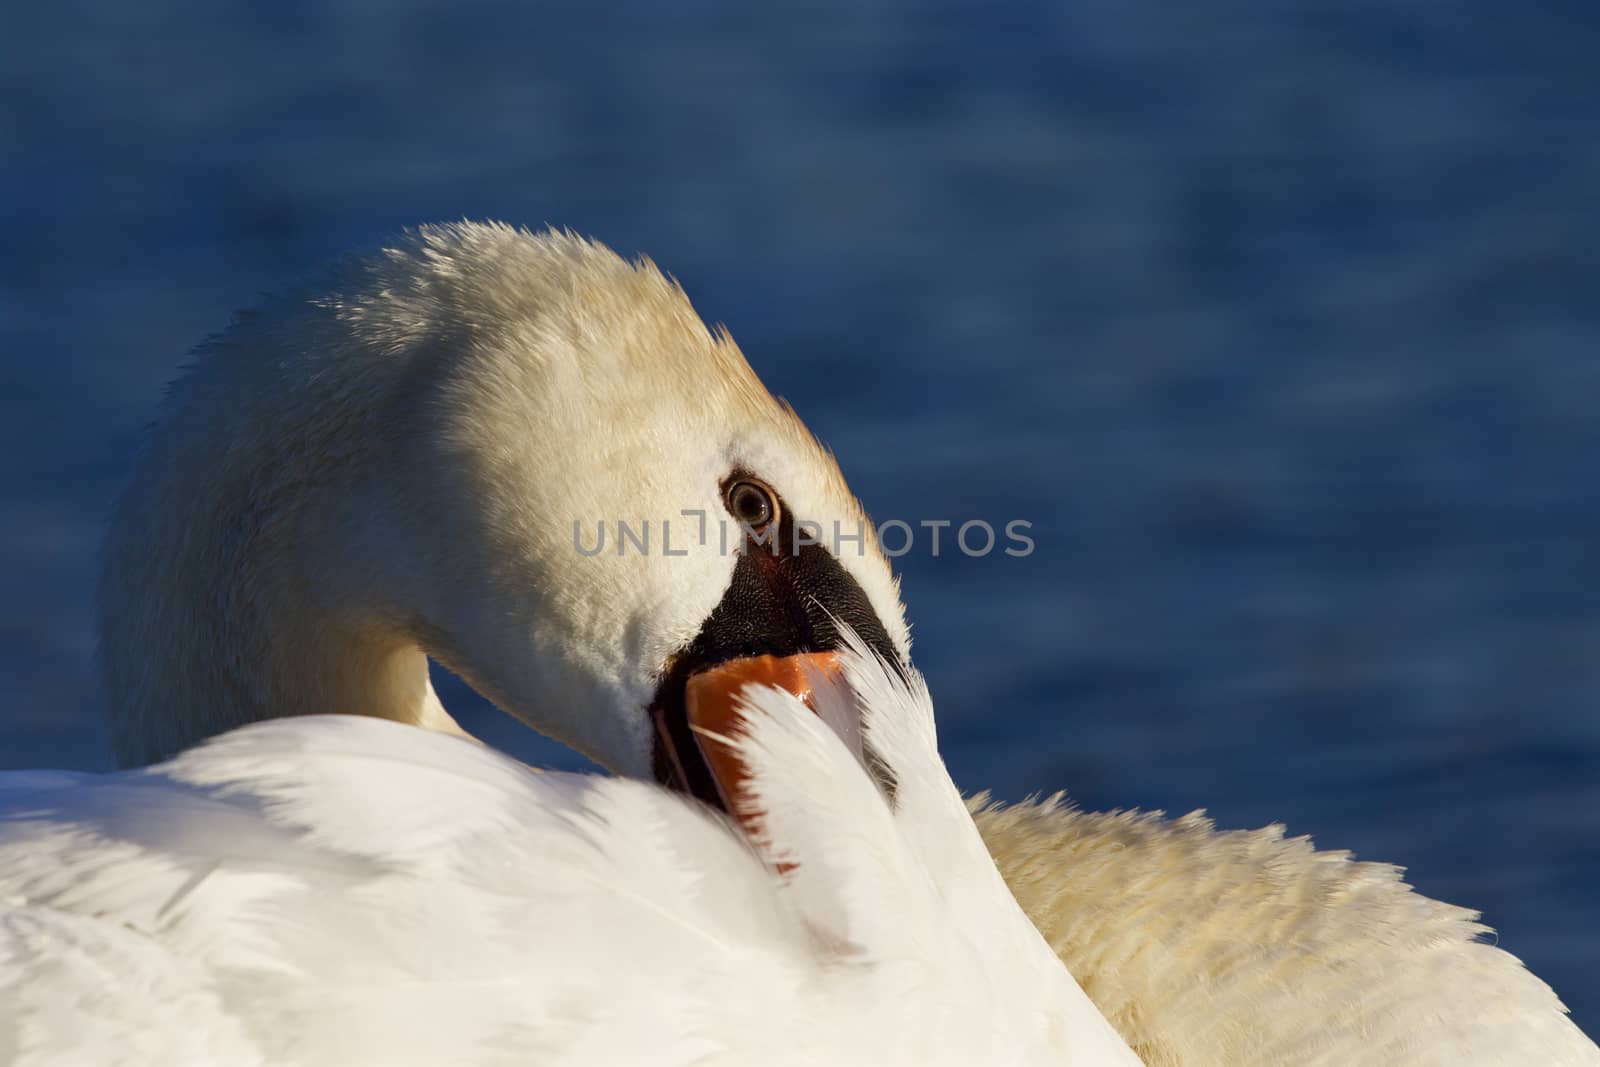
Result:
337,891
392,466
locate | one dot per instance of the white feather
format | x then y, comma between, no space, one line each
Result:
1251,949
344,890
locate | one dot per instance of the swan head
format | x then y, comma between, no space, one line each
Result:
516,453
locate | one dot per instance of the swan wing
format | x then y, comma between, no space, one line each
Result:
348,890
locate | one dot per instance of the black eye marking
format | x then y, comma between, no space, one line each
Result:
751,502
786,596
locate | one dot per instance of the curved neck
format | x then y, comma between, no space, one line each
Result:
226,592
235,636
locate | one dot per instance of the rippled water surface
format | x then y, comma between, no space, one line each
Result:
1278,321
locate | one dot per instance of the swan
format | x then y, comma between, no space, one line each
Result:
398,464
341,889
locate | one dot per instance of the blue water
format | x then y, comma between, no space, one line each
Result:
1279,321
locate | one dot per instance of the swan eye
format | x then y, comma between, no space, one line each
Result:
751,503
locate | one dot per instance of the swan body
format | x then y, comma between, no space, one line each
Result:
389,467
340,890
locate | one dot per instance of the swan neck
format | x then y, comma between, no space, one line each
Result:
236,585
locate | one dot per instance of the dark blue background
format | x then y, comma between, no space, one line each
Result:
1279,321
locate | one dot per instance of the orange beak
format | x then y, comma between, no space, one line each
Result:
712,697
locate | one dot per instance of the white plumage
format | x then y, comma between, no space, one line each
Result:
1246,948
341,890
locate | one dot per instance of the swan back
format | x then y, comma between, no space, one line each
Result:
346,890
1255,950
